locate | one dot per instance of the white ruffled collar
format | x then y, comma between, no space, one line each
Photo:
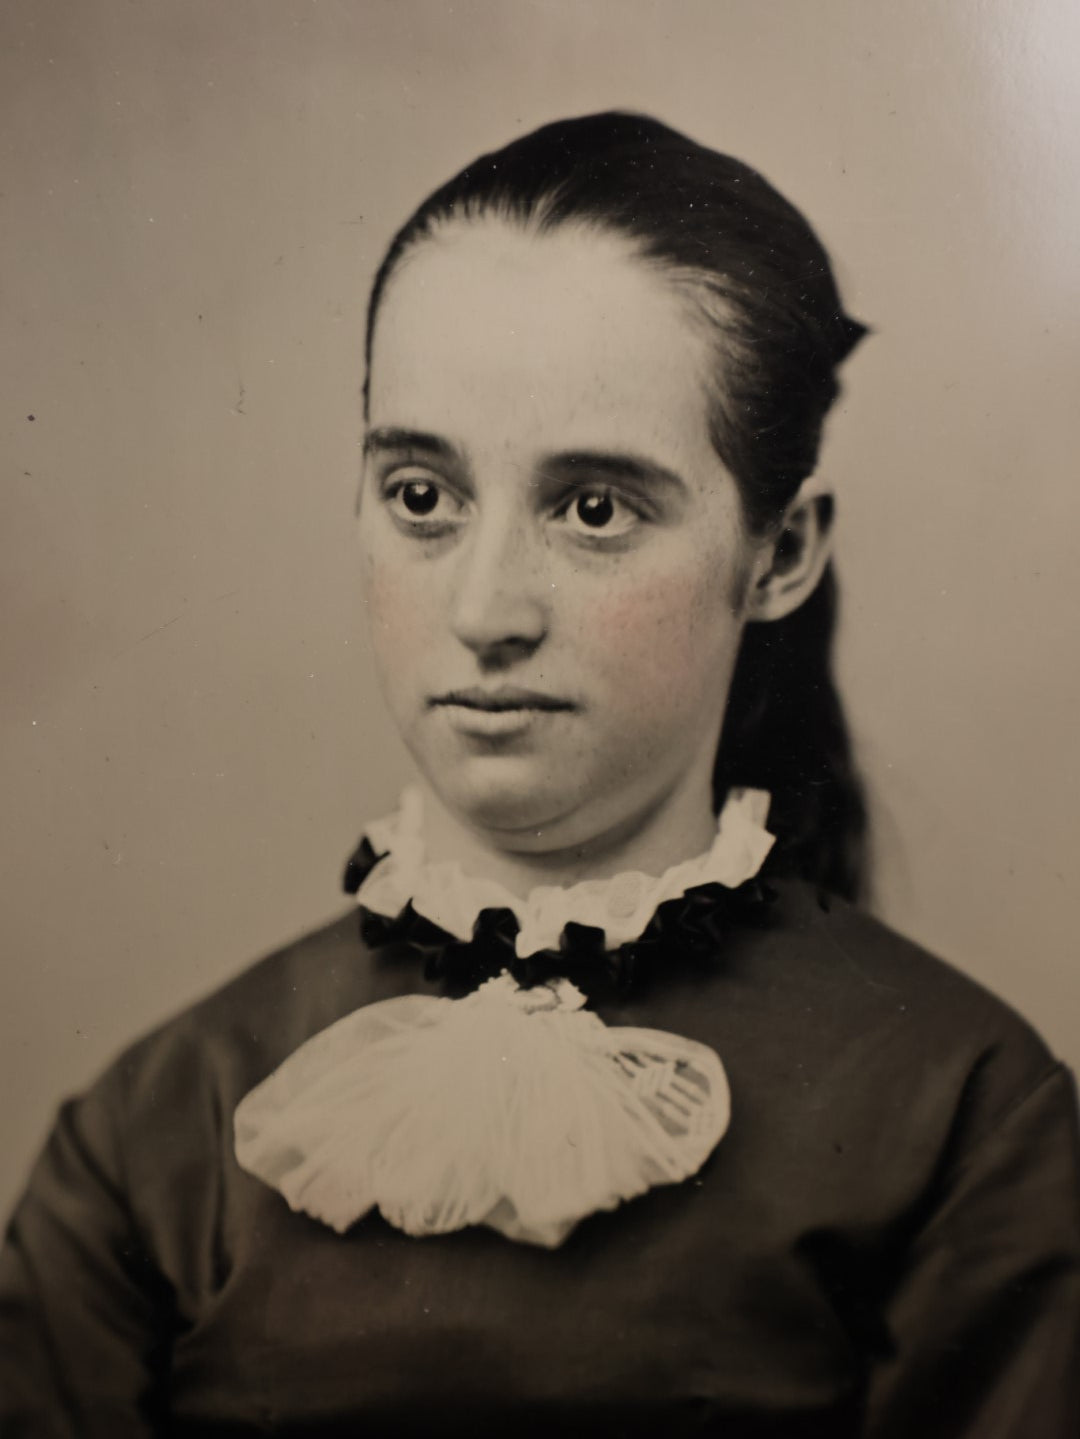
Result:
621,906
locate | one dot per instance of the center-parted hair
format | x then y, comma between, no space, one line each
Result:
758,279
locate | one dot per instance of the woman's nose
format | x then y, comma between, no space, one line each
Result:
499,609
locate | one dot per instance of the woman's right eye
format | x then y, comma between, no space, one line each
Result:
421,503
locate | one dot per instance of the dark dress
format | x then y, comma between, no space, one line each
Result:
886,1242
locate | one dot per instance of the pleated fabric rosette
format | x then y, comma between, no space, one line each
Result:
513,1108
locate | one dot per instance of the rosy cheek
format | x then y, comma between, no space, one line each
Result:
662,637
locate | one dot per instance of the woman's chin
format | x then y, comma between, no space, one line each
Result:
507,799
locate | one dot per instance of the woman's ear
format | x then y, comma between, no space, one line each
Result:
790,565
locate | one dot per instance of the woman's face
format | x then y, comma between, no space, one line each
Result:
554,554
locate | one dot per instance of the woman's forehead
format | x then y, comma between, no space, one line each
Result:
564,338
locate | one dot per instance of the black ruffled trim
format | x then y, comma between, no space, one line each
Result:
691,928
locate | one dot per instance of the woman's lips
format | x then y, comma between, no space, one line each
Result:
494,713
498,701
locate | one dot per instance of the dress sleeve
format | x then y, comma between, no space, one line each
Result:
83,1311
985,1323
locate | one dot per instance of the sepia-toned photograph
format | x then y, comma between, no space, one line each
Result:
541,827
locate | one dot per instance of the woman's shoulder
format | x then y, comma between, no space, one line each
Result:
856,994
866,965
230,1039
157,1121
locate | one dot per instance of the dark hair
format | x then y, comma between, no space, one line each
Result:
757,275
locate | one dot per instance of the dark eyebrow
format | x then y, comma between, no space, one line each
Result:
391,438
615,465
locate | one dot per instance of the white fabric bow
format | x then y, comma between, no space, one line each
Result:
512,1108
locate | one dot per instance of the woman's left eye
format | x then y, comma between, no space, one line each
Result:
600,513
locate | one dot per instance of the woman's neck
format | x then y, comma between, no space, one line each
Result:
681,827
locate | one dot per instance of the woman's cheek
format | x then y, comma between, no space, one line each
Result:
396,610
667,638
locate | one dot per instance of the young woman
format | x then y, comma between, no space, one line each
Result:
615,1116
